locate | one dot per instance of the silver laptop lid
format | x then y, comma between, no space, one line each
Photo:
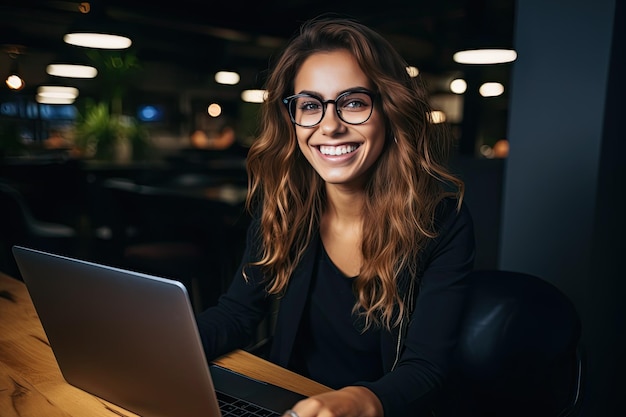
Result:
126,337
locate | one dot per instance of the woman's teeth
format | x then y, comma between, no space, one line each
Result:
337,150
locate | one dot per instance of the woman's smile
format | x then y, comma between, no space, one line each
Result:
340,152
337,150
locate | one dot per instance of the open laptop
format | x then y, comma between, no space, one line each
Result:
131,339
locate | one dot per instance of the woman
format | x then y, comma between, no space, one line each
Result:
359,231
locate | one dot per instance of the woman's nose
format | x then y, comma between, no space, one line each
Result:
331,123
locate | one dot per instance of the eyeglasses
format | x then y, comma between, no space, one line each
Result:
353,107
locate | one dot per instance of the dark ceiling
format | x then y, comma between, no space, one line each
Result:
203,36
181,43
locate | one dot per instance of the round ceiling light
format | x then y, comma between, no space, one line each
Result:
15,82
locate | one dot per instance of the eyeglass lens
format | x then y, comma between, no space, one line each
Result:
352,108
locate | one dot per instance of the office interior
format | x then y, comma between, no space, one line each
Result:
145,168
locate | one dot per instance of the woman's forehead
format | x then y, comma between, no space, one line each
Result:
330,73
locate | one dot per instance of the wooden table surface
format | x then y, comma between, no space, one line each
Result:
31,384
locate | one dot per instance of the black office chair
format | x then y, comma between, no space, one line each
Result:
519,353
18,226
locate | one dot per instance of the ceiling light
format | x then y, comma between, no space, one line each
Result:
214,110
53,100
94,30
253,96
53,91
491,89
437,116
450,106
413,71
15,82
458,86
97,40
71,71
227,77
485,56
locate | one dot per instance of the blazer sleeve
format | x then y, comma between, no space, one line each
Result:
433,326
232,323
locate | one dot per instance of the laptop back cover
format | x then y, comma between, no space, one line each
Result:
126,337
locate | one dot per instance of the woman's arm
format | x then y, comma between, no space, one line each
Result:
434,324
233,322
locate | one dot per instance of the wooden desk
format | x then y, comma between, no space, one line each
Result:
31,383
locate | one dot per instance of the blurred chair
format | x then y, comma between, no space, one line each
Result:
175,229
18,226
519,351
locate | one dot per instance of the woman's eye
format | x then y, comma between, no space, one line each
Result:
310,106
354,103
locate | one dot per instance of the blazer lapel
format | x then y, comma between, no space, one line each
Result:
292,304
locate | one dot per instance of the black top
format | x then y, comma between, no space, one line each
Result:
331,346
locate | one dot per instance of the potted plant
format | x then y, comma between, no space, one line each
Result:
102,130
100,134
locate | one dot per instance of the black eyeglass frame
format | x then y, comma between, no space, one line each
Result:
288,100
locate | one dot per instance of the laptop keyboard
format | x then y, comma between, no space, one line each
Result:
231,407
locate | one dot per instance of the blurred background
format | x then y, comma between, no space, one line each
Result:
179,102
140,161
166,77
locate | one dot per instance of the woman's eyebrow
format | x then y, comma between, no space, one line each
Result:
309,92
350,89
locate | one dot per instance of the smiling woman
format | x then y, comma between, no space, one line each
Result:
341,145
360,242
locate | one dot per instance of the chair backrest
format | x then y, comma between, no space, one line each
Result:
18,226
518,352
15,214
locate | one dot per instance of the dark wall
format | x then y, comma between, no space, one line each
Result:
562,216
483,196
606,317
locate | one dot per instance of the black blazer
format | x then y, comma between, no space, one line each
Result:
415,355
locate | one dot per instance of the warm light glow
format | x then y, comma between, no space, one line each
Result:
437,116
413,71
253,96
98,40
227,77
71,71
491,89
501,149
458,86
214,110
14,82
51,91
485,56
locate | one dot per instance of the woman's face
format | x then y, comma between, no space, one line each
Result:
341,153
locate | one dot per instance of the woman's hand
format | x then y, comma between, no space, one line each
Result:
346,402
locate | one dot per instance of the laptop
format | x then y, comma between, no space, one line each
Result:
131,339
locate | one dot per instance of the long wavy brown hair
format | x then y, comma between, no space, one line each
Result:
406,184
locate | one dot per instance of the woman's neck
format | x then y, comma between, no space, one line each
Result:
341,229
344,204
